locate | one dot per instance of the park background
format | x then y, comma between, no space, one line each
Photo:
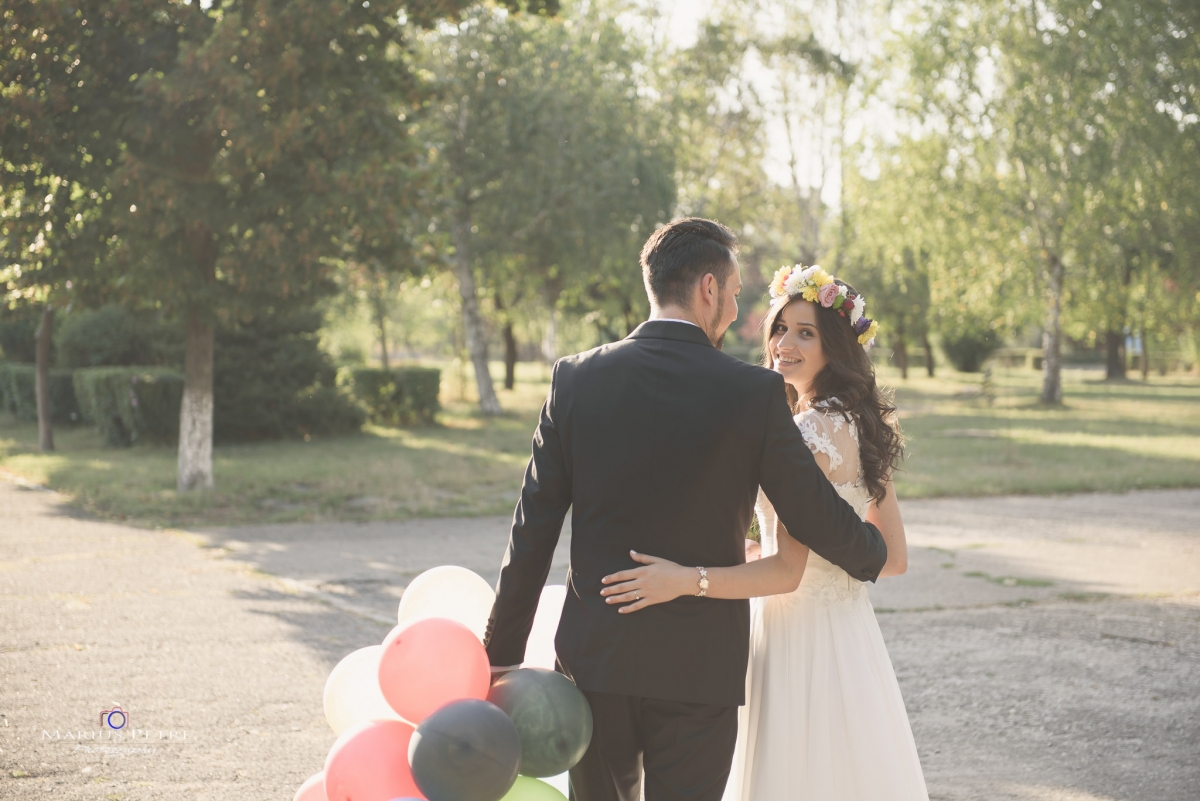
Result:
344,241
339,244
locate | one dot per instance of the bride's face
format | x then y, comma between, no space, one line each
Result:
795,345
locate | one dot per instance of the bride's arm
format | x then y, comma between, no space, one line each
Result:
661,580
885,516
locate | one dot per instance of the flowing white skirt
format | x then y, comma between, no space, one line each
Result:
823,720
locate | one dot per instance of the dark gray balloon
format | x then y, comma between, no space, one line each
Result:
468,750
553,719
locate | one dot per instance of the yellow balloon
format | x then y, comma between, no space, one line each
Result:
352,693
527,789
451,592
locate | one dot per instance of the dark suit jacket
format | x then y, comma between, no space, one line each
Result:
660,443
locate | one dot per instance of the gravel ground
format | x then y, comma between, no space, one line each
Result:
1048,648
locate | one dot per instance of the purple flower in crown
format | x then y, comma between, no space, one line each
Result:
862,324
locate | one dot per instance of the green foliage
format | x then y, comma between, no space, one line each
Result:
130,404
271,380
18,393
1061,130
967,349
18,338
402,396
554,166
113,335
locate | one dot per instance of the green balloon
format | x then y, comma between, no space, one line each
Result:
553,718
527,789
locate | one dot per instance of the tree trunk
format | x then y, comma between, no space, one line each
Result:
928,346
381,321
510,356
473,328
1052,337
1114,362
550,341
900,352
1145,356
510,345
42,382
196,412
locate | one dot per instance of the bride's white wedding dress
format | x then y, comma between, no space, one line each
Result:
823,720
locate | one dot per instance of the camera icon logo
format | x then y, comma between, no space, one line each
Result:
115,718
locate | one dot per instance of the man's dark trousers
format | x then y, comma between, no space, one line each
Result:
685,750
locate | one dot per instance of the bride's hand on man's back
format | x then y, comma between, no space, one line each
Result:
659,581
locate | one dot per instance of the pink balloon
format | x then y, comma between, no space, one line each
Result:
313,789
369,762
429,663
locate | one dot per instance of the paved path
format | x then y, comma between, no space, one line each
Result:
1048,648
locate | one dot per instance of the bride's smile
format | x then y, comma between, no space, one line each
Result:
795,345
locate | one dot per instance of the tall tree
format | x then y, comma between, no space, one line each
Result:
248,132
1035,94
551,163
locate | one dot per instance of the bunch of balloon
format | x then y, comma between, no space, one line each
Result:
417,720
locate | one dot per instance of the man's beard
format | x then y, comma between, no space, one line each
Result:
718,341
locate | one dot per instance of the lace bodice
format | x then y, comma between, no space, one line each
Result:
833,439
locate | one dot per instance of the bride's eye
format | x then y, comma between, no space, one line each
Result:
779,328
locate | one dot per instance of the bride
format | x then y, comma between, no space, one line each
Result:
823,718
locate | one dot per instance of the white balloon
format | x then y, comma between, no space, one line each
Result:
451,592
539,649
352,693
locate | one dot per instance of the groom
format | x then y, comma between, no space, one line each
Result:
659,443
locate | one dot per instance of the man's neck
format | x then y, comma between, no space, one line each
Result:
674,313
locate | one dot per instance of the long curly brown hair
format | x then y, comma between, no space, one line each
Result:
847,384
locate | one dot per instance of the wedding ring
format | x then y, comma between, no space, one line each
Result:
637,597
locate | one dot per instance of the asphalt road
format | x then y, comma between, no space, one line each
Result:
1048,648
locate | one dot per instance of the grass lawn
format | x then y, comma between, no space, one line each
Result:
1108,437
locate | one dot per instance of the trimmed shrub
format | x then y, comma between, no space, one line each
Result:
271,379
18,393
114,335
131,404
18,335
402,396
325,410
968,350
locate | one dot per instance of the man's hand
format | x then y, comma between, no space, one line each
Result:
753,550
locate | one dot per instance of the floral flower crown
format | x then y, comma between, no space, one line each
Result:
817,286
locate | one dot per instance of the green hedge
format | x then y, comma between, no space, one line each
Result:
403,396
18,393
113,335
131,404
967,350
272,380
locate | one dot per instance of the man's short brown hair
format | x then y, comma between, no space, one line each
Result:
680,253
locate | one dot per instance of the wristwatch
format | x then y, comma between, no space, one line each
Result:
703,582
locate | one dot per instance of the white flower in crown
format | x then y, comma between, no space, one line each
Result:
860,305
794,281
